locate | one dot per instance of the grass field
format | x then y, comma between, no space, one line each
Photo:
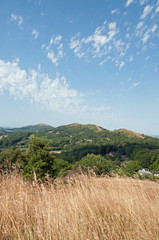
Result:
86,208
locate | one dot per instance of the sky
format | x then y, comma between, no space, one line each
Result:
87,61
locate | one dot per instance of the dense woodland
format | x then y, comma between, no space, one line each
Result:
39,151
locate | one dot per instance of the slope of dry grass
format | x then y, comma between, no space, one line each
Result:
84,208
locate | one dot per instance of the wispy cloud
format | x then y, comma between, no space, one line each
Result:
76,45
148,33
105,44
140,25
157,9
35,33
54,94
54,49
143,1
115,11
122,64
131,58
111,41
135,85
129,2
17,19
98,40
146,11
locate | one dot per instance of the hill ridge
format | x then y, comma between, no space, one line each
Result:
136,134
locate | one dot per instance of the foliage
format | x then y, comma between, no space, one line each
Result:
60,167
96,162
11,159
39,161
75,142
131,167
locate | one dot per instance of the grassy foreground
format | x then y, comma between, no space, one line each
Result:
84,208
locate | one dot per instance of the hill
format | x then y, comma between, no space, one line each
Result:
131,133
29,128
74,141
76,145
68,136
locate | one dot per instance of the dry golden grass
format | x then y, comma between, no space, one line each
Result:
85,208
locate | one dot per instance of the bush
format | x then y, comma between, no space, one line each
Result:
96,162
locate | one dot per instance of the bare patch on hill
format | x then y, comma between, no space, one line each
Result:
43,124
131,133
87,125
99,128
75,125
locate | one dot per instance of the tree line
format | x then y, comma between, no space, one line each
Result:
38,160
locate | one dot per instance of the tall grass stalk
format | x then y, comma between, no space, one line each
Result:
86,207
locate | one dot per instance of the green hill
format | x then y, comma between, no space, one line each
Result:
29,128
75,140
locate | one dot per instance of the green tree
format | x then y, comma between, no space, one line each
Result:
144,157
39,161
60,167
11,159
131,167
96,162
155,165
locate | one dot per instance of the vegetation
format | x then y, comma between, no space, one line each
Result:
98,163
42,150
54,184
86,207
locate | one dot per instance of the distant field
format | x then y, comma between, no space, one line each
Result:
81,208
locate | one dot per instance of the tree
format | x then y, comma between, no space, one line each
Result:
96,162
60,167
39,161
11,159
131,167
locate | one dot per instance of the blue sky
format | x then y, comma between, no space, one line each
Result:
86,61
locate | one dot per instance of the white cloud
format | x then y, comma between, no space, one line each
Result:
131,58
53,94
157,10
17,19
104,44
54,49
122,64
148,33
146,36
35,33
39,67
42,46
143,1
135,85
98,39
75,44
115,11
129,2
51,55
154,28
140,29
140,25
146,11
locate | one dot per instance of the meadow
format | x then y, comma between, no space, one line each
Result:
79,208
